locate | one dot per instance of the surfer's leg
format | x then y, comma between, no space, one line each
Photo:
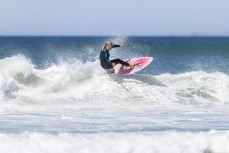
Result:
118,61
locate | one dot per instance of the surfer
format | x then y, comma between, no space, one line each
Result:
105,62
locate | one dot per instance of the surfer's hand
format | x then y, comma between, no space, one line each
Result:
113,64
122,44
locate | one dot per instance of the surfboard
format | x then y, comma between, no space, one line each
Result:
140,63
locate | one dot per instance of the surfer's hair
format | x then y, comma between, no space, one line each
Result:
107,43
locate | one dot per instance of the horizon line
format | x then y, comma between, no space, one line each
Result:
114,35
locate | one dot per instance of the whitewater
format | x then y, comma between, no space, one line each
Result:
73,107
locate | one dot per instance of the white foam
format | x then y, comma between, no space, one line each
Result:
87,84
158,142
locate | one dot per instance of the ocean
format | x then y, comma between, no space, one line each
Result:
56,98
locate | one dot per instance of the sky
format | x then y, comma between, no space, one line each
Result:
114,17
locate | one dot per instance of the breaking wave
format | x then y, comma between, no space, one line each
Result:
21,83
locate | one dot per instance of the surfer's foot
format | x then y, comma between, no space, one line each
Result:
131,65
110,71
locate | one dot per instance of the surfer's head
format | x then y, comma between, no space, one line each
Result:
108,45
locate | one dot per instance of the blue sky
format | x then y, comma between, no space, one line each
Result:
114,17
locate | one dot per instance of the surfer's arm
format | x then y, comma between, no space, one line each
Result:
121,45
106,57
109,62
115,46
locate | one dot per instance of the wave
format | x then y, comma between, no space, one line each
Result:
177,142
86,83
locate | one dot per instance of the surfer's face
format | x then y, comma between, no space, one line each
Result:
108,46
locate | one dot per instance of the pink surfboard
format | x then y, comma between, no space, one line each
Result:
140,63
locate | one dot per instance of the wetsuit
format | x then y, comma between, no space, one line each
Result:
106,63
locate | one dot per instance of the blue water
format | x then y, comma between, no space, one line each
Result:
172,54
55,97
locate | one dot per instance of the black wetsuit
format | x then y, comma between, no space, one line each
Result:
106,63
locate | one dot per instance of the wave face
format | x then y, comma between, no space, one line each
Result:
55,97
